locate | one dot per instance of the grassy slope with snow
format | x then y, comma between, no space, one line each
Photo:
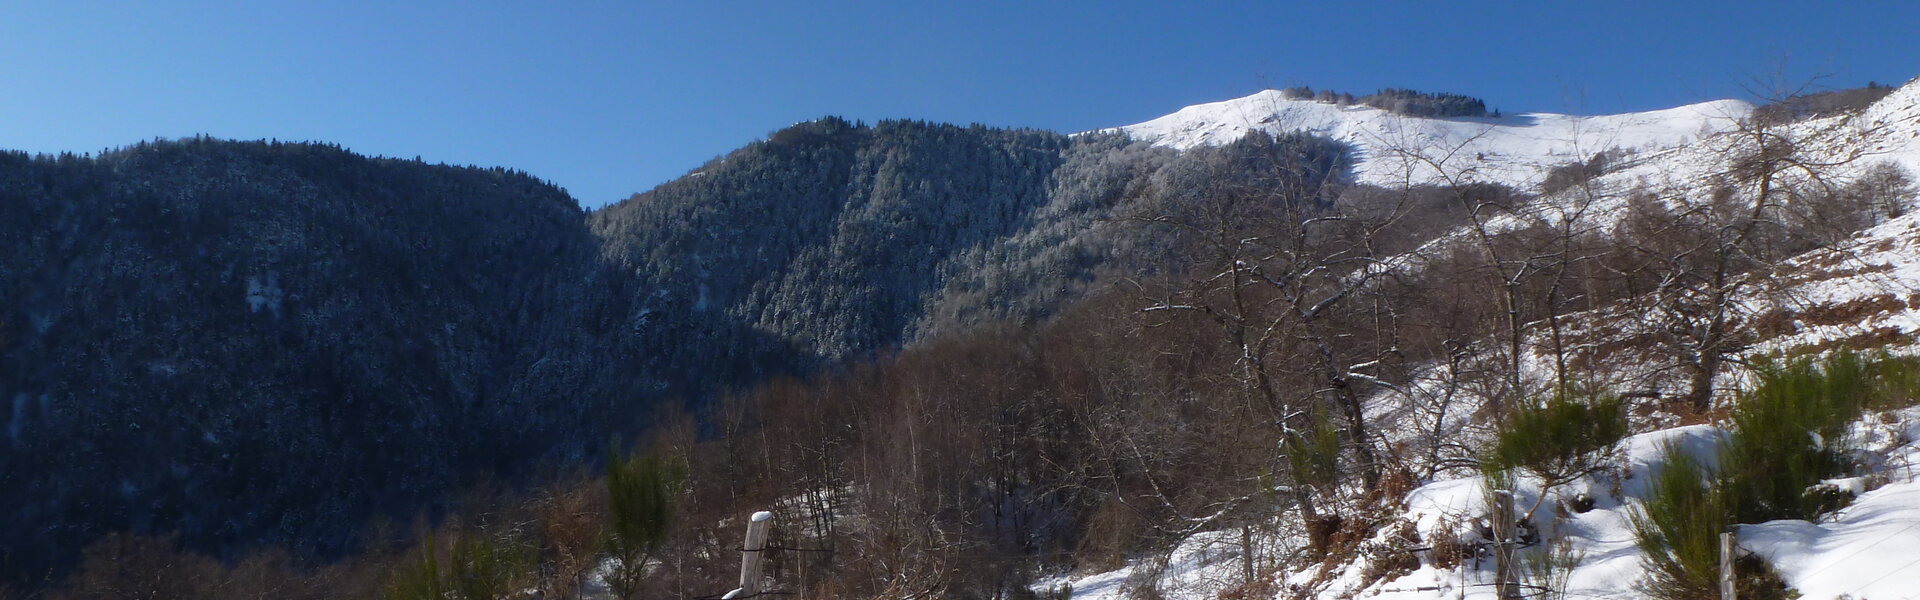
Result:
1869,550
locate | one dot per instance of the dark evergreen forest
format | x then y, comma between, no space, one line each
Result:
246,342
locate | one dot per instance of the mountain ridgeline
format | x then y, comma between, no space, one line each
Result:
827,235
833,239
258,342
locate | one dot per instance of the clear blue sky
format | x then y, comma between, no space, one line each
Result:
614,98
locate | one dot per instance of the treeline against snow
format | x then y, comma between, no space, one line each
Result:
1399,101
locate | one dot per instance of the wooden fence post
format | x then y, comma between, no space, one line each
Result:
1727,591
752,553
1503,538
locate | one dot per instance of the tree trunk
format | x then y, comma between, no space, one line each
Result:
1700,385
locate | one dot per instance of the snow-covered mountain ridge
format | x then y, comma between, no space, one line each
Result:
1516,150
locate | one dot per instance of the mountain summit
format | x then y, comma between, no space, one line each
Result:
1517,150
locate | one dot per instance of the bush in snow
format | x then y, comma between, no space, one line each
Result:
1678,527
1551,566
1558,440
1789,433
1896,383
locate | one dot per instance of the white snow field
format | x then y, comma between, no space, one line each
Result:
1515,150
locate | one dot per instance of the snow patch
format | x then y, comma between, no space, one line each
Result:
1871,549
264,293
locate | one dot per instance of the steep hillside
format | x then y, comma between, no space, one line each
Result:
830,239
1842,183
1858,291
828,235
245,342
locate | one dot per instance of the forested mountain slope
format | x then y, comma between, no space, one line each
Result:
832,239
252,342
246,341
828,234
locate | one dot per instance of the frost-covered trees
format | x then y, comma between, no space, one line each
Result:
829,237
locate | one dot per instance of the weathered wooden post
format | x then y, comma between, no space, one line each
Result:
1727,591
1246,555
752,553
1503,538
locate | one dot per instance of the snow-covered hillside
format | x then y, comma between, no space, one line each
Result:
1844,145
1864,293
1865,287
1895,122
1516,150
1867,550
